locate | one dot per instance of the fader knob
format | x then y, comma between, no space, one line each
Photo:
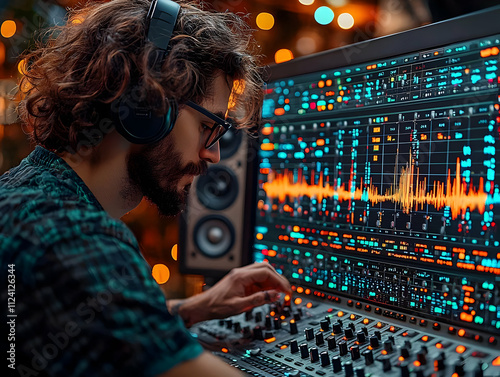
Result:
293,327
439,364
286,311
337,328
314,353
248,315
304,351
348,333
386,363
422,358
342,347
237,327
405,353
319,339
405,371
294,346
309,333
374,343
332,344
325,325
388,345
348,369
359,372
257,333
277,323
368,355
360,335
325,359
459,367
336,364
378,334
258,316
355,352
479,371
268,322
229,323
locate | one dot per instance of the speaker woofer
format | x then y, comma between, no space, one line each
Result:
229,143
218,189
214,236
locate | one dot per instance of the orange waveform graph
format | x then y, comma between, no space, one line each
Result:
408,190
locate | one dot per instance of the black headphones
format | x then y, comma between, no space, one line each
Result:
139,124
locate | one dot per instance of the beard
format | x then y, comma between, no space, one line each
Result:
156,170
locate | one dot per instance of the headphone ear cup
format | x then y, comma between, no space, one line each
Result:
139,124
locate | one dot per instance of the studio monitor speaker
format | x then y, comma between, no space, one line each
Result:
217,226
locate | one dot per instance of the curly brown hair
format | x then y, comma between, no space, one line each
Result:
78,70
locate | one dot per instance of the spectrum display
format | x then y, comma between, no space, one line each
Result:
379,181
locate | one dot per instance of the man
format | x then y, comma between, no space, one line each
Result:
84,302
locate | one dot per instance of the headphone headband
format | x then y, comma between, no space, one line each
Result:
161,19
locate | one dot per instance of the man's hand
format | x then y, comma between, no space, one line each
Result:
240,290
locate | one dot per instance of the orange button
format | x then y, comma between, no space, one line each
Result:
270,340
496,362
460,349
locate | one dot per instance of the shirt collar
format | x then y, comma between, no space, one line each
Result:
43,157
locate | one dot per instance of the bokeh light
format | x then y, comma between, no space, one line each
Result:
265,21
161,273
306,2
345,20
173,252
2,53
283,55
324,15
337,3
8,28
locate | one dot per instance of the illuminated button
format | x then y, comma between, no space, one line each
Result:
352,317
350,303
225,350
392,329
270,340
340,314
423,323
413,320
379,325
436,326
492,340
368,308
452,330
460,349
366,321
425,338
461,332
496,362
309,305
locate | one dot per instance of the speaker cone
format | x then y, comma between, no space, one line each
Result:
213,236
218,189
229,143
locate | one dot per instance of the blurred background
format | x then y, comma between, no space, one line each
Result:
284,29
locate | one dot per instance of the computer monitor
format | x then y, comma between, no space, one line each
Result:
377,178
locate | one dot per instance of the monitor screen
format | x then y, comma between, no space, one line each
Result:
377,173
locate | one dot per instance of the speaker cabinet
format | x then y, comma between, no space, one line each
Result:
217,226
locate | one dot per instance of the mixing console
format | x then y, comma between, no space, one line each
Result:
337,337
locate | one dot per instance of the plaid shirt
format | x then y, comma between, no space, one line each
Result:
85,300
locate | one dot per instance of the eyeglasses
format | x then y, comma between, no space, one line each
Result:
220,127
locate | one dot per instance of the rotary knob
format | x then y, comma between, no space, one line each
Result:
342,347
374,341
360,335
348,333
314,353
325,360
304,351
336,364
319,339
330,340
293,327
325,325
309,333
